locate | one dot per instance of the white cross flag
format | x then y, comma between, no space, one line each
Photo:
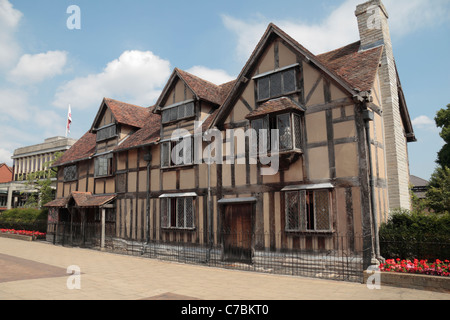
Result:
69,121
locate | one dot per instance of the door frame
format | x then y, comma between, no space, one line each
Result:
236,203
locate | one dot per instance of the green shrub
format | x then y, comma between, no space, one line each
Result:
415,235
24,219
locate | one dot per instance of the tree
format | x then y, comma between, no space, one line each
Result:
443,121
438,195
41,182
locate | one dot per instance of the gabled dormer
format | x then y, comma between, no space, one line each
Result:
113,124
115,121
187,97
185,102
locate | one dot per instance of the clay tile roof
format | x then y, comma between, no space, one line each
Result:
82,149
58,203
224,91
357,68
95,201
148,134
128,114
203,89
82,200
80,197
276,105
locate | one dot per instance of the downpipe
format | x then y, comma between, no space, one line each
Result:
368,116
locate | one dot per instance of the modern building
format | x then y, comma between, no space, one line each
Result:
34,158
299,149
27,160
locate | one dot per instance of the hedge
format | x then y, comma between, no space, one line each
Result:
24,219
416,236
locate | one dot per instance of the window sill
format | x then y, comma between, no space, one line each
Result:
70,181
286,152
172,122
103,177
174,168
310,232
178,229
261,101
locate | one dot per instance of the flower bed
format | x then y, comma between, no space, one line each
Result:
32,234
424,267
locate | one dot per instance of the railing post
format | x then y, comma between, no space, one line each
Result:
102,245
55,232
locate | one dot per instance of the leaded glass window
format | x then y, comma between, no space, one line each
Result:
107,133
180,112
177,212
70,173
284,129
308,210
277,84
103,165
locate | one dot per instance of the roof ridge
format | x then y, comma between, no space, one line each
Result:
199,78
339,48
130,104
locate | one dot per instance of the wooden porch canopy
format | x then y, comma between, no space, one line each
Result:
82,200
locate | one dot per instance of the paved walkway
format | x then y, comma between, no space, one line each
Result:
38,271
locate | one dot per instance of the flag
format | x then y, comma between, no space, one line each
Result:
69,121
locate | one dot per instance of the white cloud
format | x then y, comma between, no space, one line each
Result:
36,68
9,21
135,77
14,105
216,76
424,122
340,27
407,16
5,156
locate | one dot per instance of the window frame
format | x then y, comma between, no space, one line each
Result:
65,173
303,218
167,204
174,112
271,122
170,145
270,76
109,166
112,127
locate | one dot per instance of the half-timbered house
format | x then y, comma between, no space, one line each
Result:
186,170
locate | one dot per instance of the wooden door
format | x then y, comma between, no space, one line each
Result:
238,233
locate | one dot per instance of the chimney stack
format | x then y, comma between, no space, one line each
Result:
374,31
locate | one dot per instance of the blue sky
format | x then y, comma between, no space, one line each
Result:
126,50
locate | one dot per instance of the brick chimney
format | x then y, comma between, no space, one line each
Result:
374,31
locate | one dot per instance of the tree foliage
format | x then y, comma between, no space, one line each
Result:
41,181
443,121
438,195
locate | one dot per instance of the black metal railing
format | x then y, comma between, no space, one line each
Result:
321,256
408,247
